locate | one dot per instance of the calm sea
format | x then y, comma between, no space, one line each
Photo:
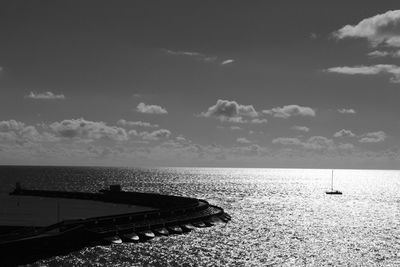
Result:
279,216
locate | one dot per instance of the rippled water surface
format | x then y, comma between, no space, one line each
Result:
279,216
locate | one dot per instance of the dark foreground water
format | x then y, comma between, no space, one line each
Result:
279,216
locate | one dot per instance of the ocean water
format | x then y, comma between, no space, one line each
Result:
280,217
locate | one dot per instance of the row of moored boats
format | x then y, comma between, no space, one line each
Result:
143,235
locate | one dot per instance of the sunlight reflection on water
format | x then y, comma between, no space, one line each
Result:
279,216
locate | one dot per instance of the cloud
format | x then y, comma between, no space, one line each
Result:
392,70
228,61
126,123
373,137
382,29
195,55
259,121
347,111
301,128
319,143
344,133
156,135
230,111
199,56
45,96
290,110
243,140
379,53
150,109
19,132
234,127
287,141
88,130
313,36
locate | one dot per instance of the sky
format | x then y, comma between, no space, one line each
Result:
296,84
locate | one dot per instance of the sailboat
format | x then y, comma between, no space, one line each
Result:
333,192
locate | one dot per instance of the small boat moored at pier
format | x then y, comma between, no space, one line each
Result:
187,227
175,229
199,224
147,234
161,231
131,237
113,239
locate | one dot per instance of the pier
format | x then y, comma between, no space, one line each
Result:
41,220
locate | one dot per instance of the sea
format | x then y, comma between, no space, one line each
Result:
280,217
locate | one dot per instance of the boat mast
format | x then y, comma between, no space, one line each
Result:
332,182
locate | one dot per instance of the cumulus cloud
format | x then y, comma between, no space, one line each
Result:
301,128
125,123
382,29
243,140
380,53
392,70
234,127
228,61
19,132
150,109
199,56
230,111
259,121
289,111
156,135
195,55
88,130
344,133
373,137
319,143
287,141
346,111
45,96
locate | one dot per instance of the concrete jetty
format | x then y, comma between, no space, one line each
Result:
42,219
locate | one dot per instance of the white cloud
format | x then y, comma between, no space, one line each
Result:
392,70
290,110
347,111
19,132
195,55
234,127
259,121
344,133
313,36
45,96
380,53
230,111
156,135
88,130
319,143
126,123
150,109
382,29
373,137
287,141
228,61
301,128
243,140
199,56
